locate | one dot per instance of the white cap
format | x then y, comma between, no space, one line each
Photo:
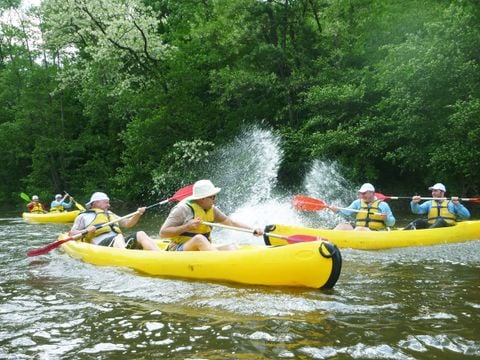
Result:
97,196
366,187
58,196
438,186
203,189
34,197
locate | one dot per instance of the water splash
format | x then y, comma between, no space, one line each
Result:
247,171
325,181
247,168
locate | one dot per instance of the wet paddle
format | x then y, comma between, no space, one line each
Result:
307,203
25,197
290,239
179,195
380,196
77,204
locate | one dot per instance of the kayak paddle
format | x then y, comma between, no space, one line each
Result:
77,204
25,197
290,239
179,195
380,196
308,203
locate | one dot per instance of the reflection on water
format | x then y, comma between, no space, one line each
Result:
408,303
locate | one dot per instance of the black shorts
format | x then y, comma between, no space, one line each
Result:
131,242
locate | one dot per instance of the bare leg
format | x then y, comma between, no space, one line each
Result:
343,226
227,247
146,242
119,242
199,243
362,228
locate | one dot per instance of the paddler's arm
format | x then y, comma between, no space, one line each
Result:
386,214
132,221
230,222
458,209
171,231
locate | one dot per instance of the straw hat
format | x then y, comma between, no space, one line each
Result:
97,196
203,189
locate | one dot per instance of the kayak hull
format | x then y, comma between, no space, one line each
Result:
376,240
51,217
313,265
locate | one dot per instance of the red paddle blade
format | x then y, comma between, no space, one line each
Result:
307,203
182,193
45,249
473,199
380,196
301,238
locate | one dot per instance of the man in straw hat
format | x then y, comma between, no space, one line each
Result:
98,213
184,226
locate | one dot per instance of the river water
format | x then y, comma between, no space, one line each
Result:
413,303
410,303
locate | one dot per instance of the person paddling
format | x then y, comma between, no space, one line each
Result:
59,204
374,214
184,227
98,213
35,206
441,211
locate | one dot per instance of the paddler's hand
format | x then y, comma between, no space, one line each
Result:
333,208
258,232
416,199
194,223
91,229
455,200
141,210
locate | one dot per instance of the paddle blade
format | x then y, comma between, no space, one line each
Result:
78,206
45,249
380,196
182,193
472,199
301,238
307,203
25,197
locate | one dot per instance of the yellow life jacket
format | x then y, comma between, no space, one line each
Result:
205,230
370,218
102,217
439,210
58,208
37,209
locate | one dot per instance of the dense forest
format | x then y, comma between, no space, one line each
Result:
130,95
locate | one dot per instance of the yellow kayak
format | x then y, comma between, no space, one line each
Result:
51,217
375,240
315,264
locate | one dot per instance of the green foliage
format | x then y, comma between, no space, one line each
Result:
113,95
180,166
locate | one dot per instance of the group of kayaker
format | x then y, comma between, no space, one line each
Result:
372,213
59,204
188,224
184,225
